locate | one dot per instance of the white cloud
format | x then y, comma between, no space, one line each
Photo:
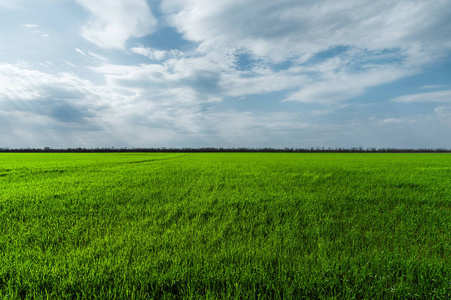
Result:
89,55
33,28
289,28
81,52
392,121
62,110
113,22
195,80
183,80
31,25
150,53
431,86
383,41
237,84
47,63
440,96
155,54
97,56
340,85
443,110
26,89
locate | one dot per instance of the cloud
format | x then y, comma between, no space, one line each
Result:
288,28
431,86
155,54
392,121
89,55
339,85
40,109
62,97
335,51
97,56
239,84
183,80
443,114
195,80
113,22
31,25
33,28
440,96
200,78
81,52
444,110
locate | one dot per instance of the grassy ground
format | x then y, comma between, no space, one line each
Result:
240,226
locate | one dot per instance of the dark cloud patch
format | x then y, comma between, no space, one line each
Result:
59,110
204,82
67,113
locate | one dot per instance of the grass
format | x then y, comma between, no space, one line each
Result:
232,226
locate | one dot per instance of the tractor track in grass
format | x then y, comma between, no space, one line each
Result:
155,159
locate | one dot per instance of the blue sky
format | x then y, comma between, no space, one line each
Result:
225,73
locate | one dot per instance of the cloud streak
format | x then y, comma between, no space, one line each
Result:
440,96
31,25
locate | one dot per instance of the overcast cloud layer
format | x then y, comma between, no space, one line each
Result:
226,73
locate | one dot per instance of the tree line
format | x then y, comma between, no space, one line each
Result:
226,150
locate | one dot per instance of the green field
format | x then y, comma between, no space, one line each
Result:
233,226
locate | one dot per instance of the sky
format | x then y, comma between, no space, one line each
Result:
225,73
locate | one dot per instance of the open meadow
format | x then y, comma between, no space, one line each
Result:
231,226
